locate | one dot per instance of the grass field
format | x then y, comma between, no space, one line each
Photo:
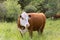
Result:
9,31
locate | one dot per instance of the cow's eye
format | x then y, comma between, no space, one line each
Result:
21,17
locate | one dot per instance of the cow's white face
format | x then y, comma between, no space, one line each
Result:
24,22
24,19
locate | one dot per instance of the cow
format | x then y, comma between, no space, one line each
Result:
31,22
56,16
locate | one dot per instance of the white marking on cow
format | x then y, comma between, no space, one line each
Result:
52,17
24,22
23,31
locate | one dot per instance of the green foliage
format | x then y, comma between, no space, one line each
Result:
9,31
24,3
9,9
12,10
49,13
1,1
52,8
36,2
30,8
40,5
2,11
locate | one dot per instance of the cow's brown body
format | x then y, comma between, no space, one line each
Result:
36,21
56,16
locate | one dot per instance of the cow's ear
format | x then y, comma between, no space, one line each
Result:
29,15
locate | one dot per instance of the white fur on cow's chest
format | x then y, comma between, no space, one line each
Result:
23,31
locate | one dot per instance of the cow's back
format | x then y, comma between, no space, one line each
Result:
36,20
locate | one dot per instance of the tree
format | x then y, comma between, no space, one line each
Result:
24,3
30,9
40,5
52,8
2,1
2,12
13,9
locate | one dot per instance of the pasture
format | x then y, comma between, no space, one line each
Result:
9,31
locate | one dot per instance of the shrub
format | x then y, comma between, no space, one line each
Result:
2,11
30,8
13,9
50,13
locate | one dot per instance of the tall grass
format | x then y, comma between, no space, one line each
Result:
9,31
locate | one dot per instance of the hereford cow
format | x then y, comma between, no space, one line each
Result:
56,16
31,22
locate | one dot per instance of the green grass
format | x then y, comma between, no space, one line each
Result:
9,31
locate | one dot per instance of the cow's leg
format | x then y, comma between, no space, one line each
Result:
39,31
21,34
30,33
42,28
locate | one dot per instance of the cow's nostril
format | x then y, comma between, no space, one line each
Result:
23,27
